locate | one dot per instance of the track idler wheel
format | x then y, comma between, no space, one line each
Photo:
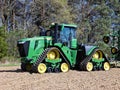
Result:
41,68
106,66
49,70
57,70
89,66
28,67
64,67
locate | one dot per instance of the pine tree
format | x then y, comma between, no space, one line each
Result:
46,12
93,18
115,6
100,20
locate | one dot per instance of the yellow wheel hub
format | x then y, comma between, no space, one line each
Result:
42,68
106,66
106,39
89,66
97,55
53,54
114,50
28,67
64,67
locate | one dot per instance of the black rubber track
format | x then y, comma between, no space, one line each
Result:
23,66
42,57
84,62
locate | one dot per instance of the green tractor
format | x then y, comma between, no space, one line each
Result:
113,40
58,50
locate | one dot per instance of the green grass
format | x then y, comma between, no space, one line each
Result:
10,64
9,61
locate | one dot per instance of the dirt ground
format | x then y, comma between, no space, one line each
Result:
12,78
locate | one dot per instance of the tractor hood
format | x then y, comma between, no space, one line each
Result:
27,46
35,38
89,49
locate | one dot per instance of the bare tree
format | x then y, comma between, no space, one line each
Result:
7,13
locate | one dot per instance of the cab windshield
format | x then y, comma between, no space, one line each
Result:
67,34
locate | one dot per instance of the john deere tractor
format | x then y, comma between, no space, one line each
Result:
57,50
113,40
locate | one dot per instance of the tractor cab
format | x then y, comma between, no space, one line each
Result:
63,33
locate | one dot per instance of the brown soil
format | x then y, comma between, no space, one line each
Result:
11,78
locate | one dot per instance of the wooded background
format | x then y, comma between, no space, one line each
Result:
22,18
